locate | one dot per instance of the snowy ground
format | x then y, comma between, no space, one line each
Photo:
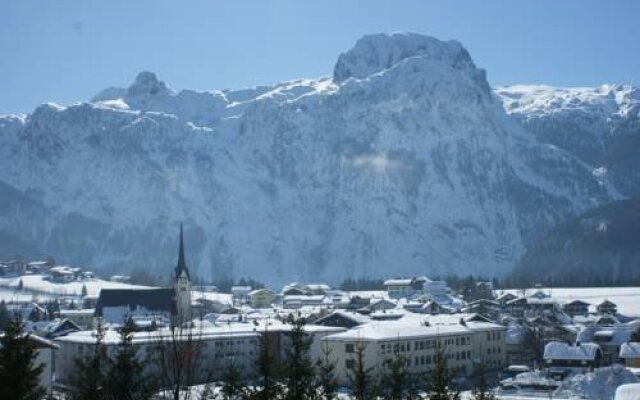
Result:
42,285
13,296
627,298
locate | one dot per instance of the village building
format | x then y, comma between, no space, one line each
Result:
607,307
150,305
261,298
562,358
609,338
419,341
342,319
576,307
630,353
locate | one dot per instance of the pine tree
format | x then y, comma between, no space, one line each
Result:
396,376
298,368
326,383
19,375
5,316
482,391
231,382
360,376
441,381
266,384
125,378
84,292
87,379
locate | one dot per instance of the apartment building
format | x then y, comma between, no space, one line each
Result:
418,342
216,347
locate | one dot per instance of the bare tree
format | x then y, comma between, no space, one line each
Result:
176,357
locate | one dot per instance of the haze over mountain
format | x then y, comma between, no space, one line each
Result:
599,247
404,162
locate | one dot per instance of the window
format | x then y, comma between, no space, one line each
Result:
348,348
349,364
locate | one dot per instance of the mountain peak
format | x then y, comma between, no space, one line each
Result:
375,53
147,84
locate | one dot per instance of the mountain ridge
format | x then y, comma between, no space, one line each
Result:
408,166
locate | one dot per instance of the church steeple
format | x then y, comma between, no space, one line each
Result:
182,266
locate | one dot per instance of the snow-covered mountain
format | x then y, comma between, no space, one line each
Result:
599,125
402,163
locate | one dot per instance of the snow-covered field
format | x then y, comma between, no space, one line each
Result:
14,296
42,284
41,288
627,298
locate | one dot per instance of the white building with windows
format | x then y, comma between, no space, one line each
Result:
418,341
216,348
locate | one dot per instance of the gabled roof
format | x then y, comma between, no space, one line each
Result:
155,299
630,350
629,391
576,302
356,319
564,351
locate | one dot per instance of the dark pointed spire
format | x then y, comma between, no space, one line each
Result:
182,265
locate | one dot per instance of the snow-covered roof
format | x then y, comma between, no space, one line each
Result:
630,350
254,292
614,335
394,330
398,282
355,317
630,391
564,351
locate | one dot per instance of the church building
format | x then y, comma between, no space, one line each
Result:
150,306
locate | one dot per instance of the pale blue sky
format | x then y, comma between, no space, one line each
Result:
66,51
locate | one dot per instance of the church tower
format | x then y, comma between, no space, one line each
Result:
182,285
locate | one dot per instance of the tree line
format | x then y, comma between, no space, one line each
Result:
123,374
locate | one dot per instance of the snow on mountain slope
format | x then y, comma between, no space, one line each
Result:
599,125
403,163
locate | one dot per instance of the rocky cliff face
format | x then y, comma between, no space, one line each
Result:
403,163
600,126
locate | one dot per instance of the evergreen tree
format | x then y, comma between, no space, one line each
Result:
360,376
441,380
5,316
231,382
326,383
20,285
266,384
125,378
396,376
298,371
87,379
19,375
482,391
84,292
